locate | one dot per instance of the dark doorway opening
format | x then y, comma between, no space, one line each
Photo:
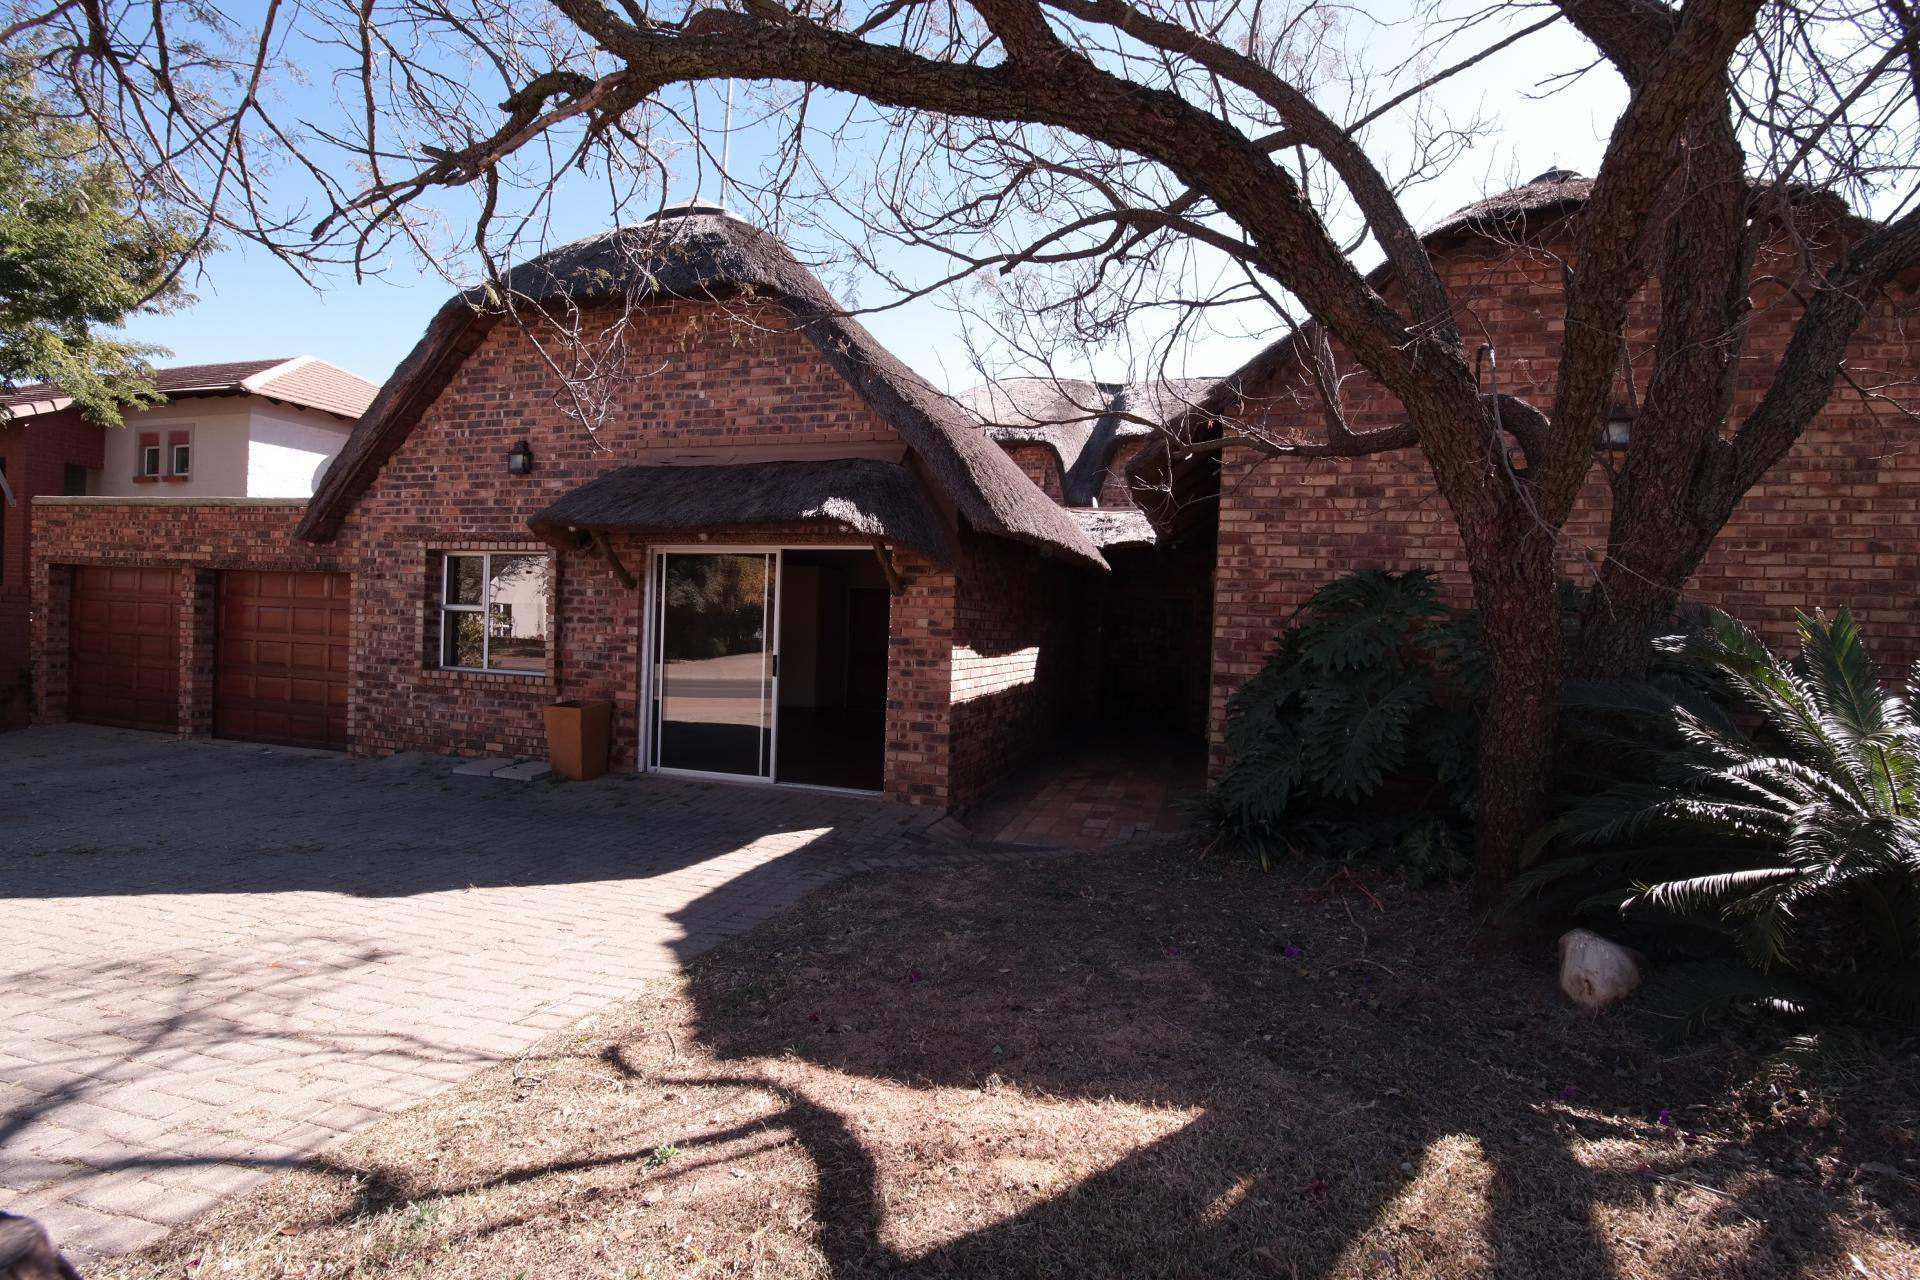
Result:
834,616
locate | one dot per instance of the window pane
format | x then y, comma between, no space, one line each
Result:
180,459
517,612
465,577
461,640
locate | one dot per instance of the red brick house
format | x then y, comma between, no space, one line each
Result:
1833,524
779,553
784,557
259,428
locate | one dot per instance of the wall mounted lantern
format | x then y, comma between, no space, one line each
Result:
1619,429
520,459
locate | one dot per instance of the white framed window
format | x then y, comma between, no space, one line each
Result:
150,460
181,461
494,609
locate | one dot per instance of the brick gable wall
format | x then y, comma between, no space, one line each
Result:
1041,466
1115,491
1834,523
716,377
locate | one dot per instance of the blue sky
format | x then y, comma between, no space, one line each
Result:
250,305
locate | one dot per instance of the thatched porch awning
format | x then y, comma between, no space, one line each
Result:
873,499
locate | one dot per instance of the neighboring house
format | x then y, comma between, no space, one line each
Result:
784,557
250,429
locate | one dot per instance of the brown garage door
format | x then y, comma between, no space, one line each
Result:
281,663
124,648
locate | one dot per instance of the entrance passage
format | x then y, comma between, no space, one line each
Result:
833,669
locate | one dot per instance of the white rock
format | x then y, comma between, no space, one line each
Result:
1595,972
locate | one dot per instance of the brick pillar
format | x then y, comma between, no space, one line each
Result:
920,685
50,653
199,606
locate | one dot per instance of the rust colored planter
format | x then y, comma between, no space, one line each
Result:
578,733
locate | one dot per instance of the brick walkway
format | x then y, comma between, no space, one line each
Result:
1091,795
216,958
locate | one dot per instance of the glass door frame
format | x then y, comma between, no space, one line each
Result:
653,615
650,589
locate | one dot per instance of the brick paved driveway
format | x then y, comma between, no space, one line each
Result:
217,958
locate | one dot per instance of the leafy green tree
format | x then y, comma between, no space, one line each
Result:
78,257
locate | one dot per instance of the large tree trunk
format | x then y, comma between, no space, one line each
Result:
1520,624
1632,599
1623,613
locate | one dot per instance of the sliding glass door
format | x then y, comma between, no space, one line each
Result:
713,687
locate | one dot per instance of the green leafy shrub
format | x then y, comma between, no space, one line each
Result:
1356,739
1754,818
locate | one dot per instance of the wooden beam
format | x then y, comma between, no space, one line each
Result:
620,571
895,583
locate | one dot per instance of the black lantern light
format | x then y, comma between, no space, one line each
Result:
520,459
1619,429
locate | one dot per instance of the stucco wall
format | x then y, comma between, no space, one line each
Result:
243,447
288,448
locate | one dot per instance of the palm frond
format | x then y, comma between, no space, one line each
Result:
1781,816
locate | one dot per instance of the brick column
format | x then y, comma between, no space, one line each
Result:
920,685
198,618
49,655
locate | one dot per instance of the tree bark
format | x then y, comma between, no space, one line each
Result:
1623,614
1520,630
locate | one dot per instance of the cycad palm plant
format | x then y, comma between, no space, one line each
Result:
1780,817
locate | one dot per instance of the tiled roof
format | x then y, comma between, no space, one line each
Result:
301,380
316,384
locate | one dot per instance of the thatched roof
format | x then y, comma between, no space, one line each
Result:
1552,195
705,254
1081,422
1116,527
872,498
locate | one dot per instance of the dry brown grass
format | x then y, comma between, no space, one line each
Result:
1108,1067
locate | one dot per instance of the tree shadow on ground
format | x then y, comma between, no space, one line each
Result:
1369,1094
1113,1066
97,812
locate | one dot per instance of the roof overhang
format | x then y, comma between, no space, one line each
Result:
874,500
